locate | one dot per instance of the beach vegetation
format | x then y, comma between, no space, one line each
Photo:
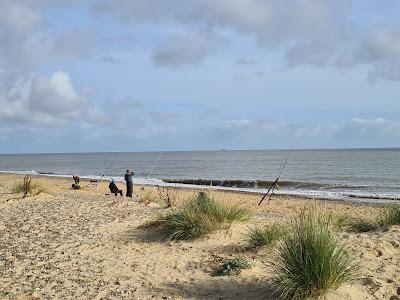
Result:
200,216
389,216
386,217
233,267
341,221
28,187
259,236
167,195
148,197
311,260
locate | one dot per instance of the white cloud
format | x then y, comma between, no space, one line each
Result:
44,101
272,23
357,130
368,128
231,124
27,42
55,95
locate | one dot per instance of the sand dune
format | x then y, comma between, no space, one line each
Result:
83,244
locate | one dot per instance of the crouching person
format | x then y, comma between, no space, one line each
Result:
76,185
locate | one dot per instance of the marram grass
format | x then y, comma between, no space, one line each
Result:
389,216
311,260
32,189
258,236
386,217
200,216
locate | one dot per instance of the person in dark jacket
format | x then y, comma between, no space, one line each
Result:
129,183
114,189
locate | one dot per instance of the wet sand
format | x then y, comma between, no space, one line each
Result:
67,244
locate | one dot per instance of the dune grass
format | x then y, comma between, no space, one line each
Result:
389,216
148,197
200,216
258,236
27,186
311,260
386,217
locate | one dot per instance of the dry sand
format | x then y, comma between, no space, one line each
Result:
68,244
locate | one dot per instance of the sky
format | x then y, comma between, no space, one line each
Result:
162,75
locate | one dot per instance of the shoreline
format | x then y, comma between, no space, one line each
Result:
352,199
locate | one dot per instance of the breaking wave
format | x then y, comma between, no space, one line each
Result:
354,193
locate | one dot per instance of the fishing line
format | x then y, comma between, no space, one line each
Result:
280,171
153,167
106,171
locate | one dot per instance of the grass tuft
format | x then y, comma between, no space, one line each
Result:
233,267
389,216
148,198
28,187
311,260
264,236
200,216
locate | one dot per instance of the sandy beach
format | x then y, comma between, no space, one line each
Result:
84,244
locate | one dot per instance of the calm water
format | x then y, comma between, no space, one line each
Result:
328,173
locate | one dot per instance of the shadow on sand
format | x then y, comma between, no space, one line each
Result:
143,234
222,288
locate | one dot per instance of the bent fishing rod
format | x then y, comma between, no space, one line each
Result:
274,184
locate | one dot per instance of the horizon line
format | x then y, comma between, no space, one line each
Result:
210,150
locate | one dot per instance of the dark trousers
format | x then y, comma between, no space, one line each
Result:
119,192
129,189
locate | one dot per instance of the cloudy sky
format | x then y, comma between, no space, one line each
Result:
137,75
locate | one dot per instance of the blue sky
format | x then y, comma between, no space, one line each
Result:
119,75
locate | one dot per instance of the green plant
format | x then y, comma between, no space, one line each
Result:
200,216
389,216
27,187
222,213
263,236
233,267
188,224
311,260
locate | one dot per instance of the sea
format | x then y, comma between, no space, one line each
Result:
337,174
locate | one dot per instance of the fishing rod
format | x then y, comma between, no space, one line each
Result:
106,171
275,183
153,167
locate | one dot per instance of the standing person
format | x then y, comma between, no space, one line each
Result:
129,183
